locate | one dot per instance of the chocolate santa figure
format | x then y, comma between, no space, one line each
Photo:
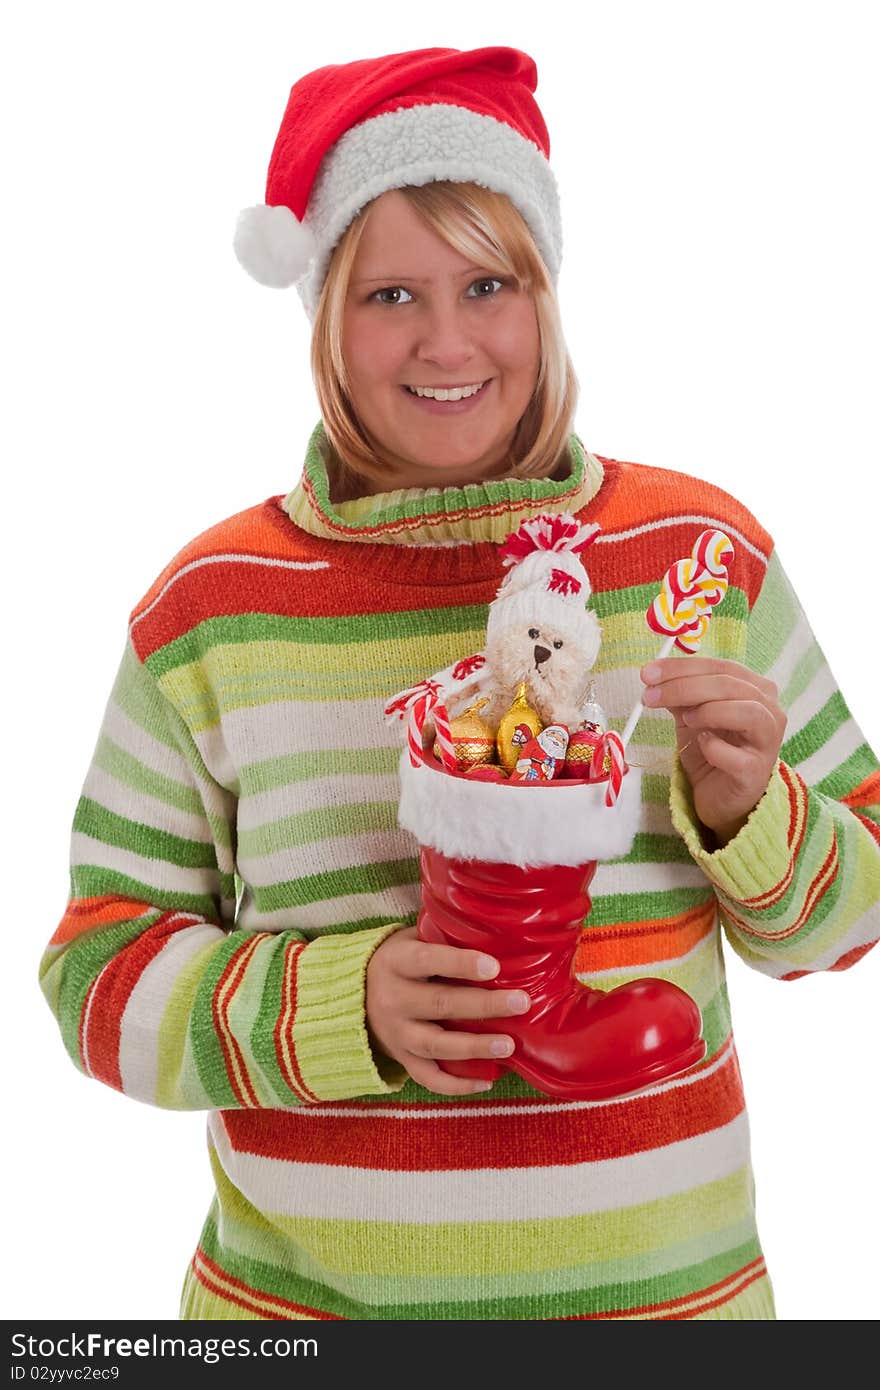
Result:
540,756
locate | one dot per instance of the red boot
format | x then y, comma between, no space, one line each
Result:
575,1042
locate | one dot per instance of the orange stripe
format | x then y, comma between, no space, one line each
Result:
224,993
285,1049
84,914
867,793
642,943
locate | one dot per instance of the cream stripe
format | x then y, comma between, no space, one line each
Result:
840,746
320,1192
324,854
143,1014
236,559
717,524
811,701
154,754
389,906
799,641
133,804
316,794
155,873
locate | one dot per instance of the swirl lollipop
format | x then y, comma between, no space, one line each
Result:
691,590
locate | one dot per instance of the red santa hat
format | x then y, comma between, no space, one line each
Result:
547,582
352,131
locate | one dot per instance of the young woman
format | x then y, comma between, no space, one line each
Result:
240,933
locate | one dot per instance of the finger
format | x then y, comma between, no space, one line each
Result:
433,1078
656,672
739,763
428,1041
696,690
438,1000
752,720
420,960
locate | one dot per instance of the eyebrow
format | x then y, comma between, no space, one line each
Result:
410,279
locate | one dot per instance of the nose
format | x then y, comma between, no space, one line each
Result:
541,654
445,337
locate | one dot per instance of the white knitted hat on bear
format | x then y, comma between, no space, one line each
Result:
547,582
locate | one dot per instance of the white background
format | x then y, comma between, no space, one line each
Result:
717,169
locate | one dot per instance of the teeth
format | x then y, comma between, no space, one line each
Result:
439,393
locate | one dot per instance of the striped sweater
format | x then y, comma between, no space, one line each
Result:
236,859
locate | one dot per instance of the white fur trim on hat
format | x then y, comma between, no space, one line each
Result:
422,144
529,825
272,246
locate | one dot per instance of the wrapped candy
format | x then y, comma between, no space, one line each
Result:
472,738
520,713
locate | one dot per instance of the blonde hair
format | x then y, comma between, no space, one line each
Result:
486,226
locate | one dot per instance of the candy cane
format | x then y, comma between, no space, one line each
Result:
610,745
418,713
691,590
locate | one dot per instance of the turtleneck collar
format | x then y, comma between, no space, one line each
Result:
477,512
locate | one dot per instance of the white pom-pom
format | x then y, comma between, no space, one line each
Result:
272,246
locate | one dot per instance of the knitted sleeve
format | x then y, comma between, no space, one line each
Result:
799,886
155,991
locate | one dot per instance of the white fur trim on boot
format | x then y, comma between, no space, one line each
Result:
564,822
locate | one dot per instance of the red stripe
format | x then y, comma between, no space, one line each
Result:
291,1073
528,1138
843,963
870,825
757,1266
247,1296
105,1003
232,1055
797,829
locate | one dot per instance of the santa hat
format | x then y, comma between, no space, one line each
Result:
352,131
547,583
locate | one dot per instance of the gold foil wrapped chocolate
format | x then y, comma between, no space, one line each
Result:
520,712
472,738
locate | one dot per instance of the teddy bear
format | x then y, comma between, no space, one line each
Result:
540,632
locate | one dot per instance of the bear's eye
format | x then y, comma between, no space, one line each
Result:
533,633
557,644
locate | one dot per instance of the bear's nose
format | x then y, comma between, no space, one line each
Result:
541,654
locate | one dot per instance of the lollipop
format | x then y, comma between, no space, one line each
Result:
691,588
690,591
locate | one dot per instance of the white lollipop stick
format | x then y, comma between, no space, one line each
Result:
638,709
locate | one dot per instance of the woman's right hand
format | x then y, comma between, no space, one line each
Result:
404,1003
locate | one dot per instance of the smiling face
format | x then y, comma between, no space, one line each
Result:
420,314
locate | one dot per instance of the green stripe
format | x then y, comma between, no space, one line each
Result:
337,883
548,1303
657,849
329,762
339,632
90,881
816,732
641,907
91,818
307,827
132,773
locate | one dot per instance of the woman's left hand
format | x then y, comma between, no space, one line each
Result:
729,728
